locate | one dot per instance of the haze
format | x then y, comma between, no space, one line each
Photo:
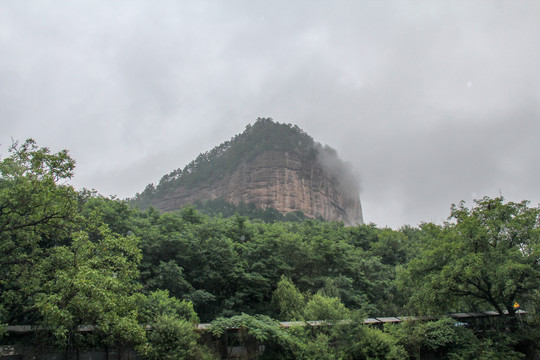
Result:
430,102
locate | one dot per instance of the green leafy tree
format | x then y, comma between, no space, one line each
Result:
160,303
90,283
487,256
391,246
321,307
355,340
37,211
372,343
171,338
312,344
114,212
172,333
288,300
62,268
439,337
442,339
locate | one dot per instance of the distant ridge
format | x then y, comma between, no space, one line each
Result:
268,165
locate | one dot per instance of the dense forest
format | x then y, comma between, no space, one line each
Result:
75,258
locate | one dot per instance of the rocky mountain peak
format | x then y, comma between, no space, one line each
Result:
269,165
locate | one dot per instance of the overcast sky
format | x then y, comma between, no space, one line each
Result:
432,102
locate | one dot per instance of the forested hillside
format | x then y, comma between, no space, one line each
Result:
74,258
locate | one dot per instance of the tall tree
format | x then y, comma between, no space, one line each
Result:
91,283
37,211
485,256
62,267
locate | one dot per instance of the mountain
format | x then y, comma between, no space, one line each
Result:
269,165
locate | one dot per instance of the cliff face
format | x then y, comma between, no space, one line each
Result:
283,180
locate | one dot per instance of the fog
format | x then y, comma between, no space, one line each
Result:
430,102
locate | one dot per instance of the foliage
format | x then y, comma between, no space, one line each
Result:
172,322
71,259
354,340
90,283
288,300
391,246
159,303
372,343
171,338
229,266
487,257
312,344
37,211
254,331
321,307
30,198
62,269
418,337
444,340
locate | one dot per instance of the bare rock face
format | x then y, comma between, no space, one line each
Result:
279,179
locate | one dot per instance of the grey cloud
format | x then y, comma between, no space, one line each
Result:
431,102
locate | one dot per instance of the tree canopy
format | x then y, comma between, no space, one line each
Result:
486,256
143,279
